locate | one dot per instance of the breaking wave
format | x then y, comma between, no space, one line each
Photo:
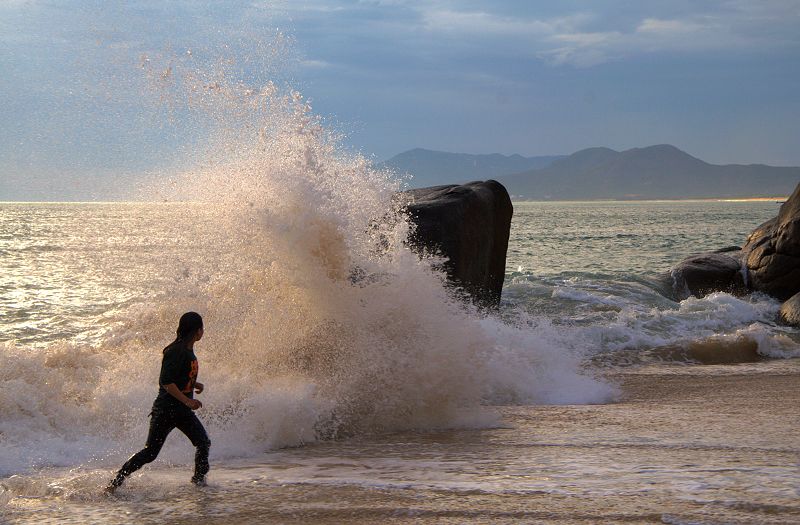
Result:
320,322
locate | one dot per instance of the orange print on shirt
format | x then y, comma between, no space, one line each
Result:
192,377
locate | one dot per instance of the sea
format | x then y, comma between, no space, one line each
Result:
347,382
589,396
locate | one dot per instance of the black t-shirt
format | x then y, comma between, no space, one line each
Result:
178,366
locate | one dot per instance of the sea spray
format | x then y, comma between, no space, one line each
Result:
320,322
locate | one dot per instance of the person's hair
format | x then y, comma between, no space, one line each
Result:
190,323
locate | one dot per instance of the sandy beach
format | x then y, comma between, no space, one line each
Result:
684,444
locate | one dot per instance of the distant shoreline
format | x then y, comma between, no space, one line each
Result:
779,199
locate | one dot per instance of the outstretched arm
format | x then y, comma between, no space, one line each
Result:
173,390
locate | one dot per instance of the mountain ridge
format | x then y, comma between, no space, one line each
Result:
660,171
433,168
654,172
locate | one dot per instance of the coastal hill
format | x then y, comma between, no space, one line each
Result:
433,168
654,172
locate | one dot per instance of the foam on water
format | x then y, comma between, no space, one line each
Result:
618,322
319,320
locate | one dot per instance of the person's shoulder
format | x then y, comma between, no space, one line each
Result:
175,348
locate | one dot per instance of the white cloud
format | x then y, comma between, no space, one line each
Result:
598,32
588,39
577,56
583,49
477,23
668,27
584,39
315,64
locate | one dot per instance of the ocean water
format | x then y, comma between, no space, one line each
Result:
403,403
597,270
345,383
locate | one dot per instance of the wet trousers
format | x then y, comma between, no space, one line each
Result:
162,422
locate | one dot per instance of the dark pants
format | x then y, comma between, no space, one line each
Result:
161,424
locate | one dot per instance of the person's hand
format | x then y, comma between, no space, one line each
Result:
194,404
198,388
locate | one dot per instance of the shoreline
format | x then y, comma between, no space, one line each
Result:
777,200
561,201
714,445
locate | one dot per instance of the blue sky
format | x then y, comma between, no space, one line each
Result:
717,78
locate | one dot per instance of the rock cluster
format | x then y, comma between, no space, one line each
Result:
769,262
790,310
469,225
773,252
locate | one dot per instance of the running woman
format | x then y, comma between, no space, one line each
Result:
175,404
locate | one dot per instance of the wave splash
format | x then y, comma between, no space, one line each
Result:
320,322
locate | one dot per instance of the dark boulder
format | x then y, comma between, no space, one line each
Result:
790,310
728,249
773,252
708,272
469,225
769,262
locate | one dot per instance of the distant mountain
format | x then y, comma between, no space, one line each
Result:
433,168
655,172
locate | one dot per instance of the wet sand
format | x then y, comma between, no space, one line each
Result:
685,444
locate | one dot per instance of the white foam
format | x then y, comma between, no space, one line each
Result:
294,350
621,322
771,343
537,365
635,327
573,294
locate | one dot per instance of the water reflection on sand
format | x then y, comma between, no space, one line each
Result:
711,446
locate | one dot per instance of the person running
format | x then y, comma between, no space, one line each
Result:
175,403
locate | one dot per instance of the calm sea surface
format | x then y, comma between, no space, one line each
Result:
601,400
624,239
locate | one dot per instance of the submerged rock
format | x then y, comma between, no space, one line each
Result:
773,252
469,225
709,272
790,310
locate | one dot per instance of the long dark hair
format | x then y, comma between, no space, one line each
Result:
189,323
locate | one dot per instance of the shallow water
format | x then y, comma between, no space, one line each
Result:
675,449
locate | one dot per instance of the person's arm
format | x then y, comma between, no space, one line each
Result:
173,390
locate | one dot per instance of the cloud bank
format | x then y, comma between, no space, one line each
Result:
717,78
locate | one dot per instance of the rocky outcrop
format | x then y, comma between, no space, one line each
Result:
468,224
773,252
709,272
769,262
790,310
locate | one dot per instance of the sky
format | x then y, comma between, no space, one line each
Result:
717,78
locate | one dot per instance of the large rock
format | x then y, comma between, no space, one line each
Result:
469,225
769,262
773,252
790,310
708,272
